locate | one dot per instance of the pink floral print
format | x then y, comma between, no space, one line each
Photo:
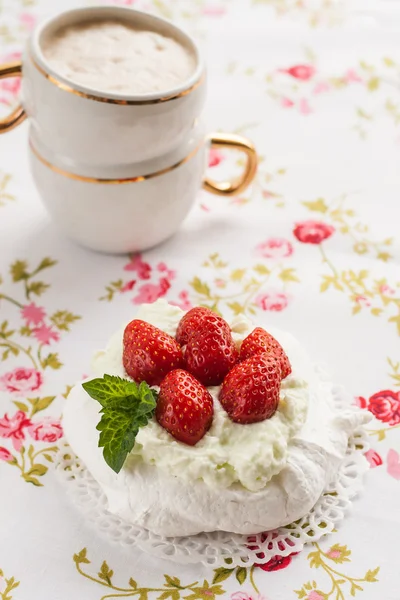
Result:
35,330
387,290
274,301
128,286
286,102
27,20
5,454
385,406
150,292
11,86
334,553
168,273
45,334
143,269
184,301
304,107
215,157
363,301
25,332
214,11
303,72
374,459
312,232
393,464
21,380
47,430
276,248
314,595
158,279
360,401
277,563
321,87
32,314
13,428
352,77
246,596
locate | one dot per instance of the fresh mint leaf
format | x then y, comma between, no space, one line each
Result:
148,399
118,432
110,387
126,408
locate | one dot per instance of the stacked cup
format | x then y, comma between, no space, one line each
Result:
118,173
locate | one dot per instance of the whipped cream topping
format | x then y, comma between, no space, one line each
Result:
239,478
229,452
112,56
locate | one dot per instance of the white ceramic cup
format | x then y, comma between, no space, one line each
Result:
143,207
97,128
117,173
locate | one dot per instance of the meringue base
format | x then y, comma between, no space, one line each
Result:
170,506
213,549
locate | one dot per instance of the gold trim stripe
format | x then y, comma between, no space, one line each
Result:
113,181
67,88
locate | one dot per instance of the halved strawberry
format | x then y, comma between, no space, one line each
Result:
210,353
185,408
196,319
149,353
250,391
259,341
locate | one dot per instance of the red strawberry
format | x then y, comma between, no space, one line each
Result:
250,392
149,353
185,408
211,353
196,319
260,341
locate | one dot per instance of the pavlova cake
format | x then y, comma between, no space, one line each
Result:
196,425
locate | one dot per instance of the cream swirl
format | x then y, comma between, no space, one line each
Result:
230,452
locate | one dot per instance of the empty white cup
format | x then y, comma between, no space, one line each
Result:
141,207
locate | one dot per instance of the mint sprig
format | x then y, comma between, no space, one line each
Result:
126,407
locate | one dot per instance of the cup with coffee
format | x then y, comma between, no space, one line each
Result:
115,96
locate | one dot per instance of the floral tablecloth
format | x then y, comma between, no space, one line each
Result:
313,247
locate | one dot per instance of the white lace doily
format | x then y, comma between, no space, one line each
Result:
222,548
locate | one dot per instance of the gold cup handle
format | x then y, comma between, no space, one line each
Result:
239,184
13,69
